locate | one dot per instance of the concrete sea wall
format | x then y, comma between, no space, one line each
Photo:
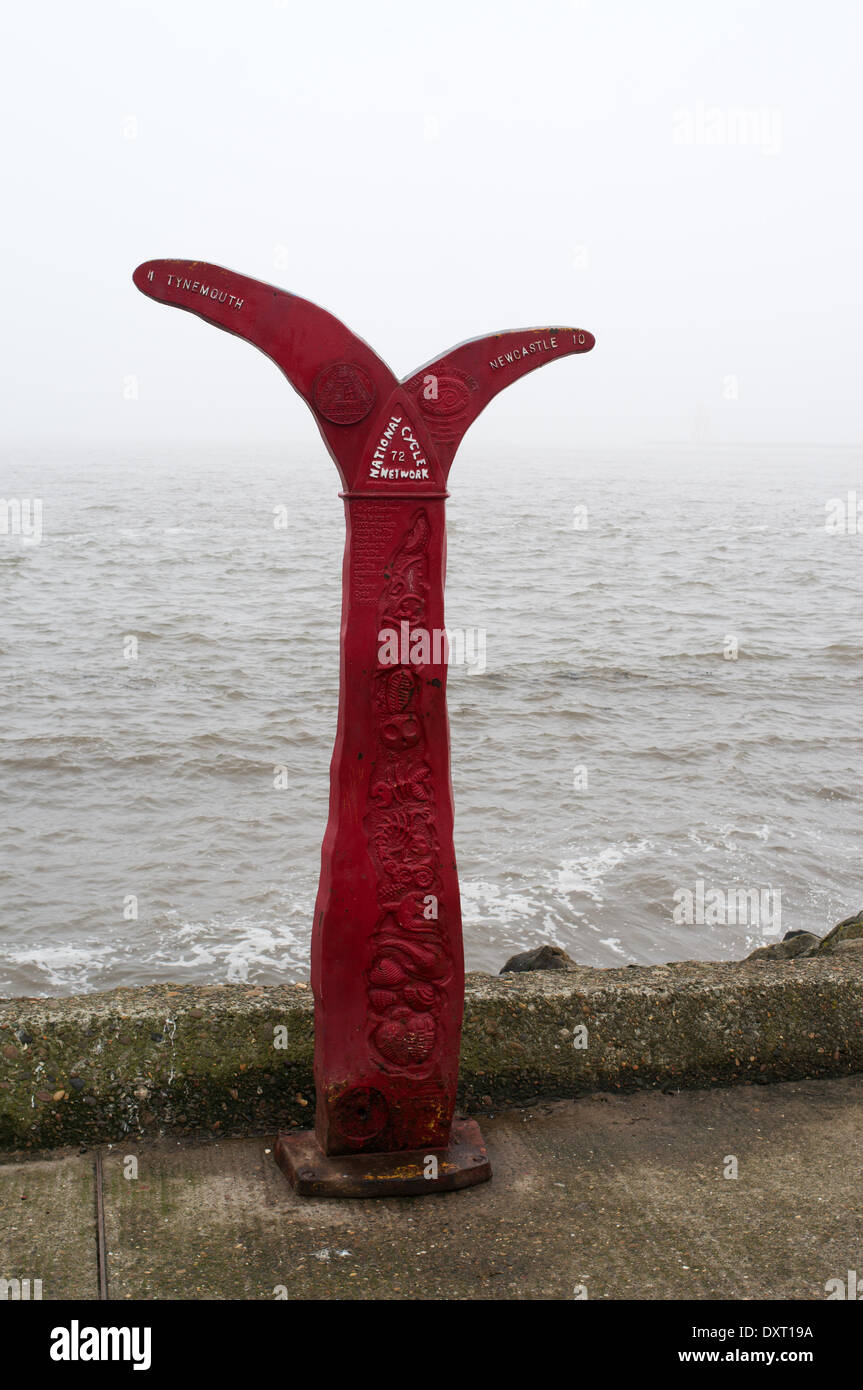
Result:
235,1059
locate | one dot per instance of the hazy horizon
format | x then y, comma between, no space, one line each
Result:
678,182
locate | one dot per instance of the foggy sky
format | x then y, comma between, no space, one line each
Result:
681,178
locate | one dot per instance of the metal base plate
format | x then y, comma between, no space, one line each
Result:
409,1174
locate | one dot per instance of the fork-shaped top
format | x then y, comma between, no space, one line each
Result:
383,434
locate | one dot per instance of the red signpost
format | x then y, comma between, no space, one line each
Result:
387,962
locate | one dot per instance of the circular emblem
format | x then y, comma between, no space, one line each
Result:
343,393
360,1113
445,400
444,396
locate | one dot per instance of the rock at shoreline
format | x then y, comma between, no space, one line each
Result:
793,943
854,943
845,936
541,958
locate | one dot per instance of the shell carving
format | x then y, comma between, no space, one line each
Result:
410,961
406,1043
386,972
400,688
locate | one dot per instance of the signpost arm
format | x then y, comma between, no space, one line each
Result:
452,390
311,347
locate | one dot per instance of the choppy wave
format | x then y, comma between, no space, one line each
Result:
153,778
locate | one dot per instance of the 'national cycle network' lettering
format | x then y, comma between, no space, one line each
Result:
398,453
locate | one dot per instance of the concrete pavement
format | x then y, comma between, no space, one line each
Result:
613,1196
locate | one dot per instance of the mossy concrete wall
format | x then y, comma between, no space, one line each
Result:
233,1059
